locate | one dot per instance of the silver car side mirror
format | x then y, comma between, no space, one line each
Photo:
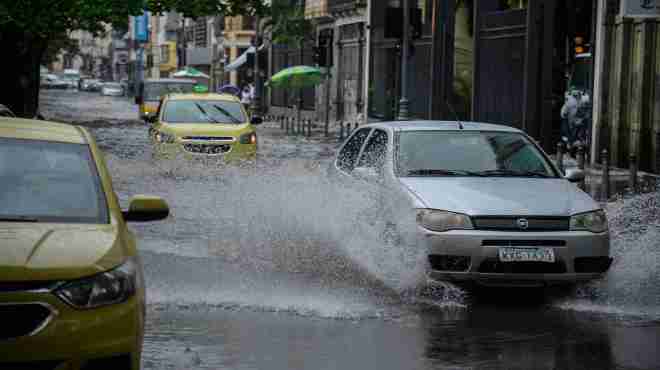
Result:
574,175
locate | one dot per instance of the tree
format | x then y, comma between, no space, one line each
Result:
29,27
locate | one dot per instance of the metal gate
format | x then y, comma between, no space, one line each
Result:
350,71
499,73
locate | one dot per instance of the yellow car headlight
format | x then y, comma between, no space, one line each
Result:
249,138
441,221
165,138
107,288
595,221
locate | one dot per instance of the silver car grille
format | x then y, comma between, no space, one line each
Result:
521,223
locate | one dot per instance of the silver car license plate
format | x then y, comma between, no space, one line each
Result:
527,255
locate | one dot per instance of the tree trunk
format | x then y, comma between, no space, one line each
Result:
20,72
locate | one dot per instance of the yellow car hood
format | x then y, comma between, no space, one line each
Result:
41,252
216,129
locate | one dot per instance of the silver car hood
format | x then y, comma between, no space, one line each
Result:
499,196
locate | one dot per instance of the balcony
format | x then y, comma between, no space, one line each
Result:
341,6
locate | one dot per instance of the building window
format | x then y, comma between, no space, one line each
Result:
165,54
201,33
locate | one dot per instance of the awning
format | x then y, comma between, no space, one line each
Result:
240,61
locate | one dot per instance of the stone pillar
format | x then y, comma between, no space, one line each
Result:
620,87
605,24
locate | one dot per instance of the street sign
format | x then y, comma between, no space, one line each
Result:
142,27
640,8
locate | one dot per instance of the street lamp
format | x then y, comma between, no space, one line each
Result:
256,101
404,103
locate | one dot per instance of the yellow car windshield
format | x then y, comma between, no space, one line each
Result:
203,111
49,182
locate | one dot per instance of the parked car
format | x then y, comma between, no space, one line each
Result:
204,125
112,89
51,81
491,207
71,287
6,112
92,85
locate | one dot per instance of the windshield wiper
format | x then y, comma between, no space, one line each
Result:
208,117
512,173
432,172
227,114
17,219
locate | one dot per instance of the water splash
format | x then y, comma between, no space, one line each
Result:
277,236
632,286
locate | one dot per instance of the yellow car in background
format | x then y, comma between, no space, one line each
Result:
72,294
203,125
151,91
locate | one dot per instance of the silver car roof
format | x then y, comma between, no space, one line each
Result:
441,126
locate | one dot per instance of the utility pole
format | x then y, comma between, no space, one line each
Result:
256,101
404,113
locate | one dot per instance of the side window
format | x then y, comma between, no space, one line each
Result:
349,153
374,153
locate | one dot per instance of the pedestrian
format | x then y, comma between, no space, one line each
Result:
246,96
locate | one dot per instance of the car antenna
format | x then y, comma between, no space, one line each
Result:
451,108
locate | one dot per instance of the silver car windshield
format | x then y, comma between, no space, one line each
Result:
469,153
49,182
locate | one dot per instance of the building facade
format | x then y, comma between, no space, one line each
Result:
627,83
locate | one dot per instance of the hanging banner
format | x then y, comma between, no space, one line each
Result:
142,27
640,8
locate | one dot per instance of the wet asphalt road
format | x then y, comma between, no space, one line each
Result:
273,268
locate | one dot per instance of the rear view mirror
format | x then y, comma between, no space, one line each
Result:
256,120
574,175
145,208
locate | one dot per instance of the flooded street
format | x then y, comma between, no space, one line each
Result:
275,267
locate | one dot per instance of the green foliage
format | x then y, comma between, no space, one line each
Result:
288,24
198,8
47,19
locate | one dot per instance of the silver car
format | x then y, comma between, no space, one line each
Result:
112,89
491,207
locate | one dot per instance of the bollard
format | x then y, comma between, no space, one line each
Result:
341,130
632,182
560,157
309,128
606,176
287,122
281,122
580,163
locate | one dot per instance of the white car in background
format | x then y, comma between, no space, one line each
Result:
112,89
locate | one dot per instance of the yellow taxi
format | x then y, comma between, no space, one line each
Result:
151,91
72,294
204,125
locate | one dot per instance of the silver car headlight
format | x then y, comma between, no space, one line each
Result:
440,221
595,221
107,288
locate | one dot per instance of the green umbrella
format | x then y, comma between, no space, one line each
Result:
190,72
296,77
